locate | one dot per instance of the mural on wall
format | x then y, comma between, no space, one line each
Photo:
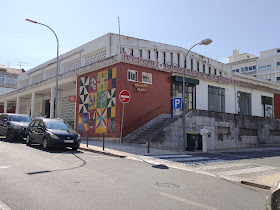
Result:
97,104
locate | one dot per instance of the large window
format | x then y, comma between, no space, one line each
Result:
244,103
147,78
267,106
216,99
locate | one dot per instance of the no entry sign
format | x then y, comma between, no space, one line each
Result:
124,96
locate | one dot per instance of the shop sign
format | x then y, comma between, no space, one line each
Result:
72,98
140,87
176,69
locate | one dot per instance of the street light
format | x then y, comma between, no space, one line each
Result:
203,42
57,64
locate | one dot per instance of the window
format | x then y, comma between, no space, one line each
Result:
203,68
149,54
171,58
254,67
237,70
216,99
233,70
191,64
215,71
267,106
250,68
132,75
2,80
278,63
244,103
278,79
209,70
178,59
197,66
246,68
278,51
131,52
140,53
147,78
185,63
164,57
268,67
157,55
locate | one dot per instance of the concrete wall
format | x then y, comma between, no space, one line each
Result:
226,131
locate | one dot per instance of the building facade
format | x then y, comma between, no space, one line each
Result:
92,76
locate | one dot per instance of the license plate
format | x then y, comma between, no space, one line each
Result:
68,141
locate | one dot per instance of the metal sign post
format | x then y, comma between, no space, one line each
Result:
177,105
124,98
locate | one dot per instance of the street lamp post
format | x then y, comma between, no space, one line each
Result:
57,64
203,42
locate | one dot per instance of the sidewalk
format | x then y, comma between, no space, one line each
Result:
136,152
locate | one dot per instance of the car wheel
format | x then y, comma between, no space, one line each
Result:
45,144
75,148
9,135
28,140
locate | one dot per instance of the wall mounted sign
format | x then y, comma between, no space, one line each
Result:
72,98
124,96
140,87
175,68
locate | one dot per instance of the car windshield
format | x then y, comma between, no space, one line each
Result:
19,118
60,125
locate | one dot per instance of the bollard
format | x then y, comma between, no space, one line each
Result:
87,138
103,140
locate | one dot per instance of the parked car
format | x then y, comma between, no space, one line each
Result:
13,126
52,133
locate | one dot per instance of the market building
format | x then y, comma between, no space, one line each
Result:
238,110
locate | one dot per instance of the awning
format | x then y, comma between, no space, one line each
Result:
187,80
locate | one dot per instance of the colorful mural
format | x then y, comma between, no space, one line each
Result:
97,104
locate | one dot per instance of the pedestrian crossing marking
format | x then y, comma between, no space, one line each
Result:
245,171
169,156
225,166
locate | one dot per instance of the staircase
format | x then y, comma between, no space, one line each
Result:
140,136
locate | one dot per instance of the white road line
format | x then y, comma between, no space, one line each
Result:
169,156
2,167
223,166
186,159
3,206
246,171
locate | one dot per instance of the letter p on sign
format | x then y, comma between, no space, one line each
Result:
177,103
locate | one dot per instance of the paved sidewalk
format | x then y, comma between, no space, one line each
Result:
137,152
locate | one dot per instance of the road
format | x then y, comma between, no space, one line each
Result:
31,178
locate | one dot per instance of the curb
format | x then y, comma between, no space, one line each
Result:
265,187
102,152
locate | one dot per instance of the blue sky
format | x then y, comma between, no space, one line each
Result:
250,26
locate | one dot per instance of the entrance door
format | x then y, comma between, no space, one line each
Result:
177,91
47,108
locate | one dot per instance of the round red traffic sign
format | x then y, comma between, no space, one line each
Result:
124,96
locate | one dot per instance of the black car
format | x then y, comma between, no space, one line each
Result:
52,133
13,126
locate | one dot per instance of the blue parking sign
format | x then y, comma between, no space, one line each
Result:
177,103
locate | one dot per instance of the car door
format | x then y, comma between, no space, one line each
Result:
40,132
33,131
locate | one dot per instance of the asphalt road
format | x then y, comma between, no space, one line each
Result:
31,178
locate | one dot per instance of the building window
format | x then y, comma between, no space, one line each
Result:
278,63
149,54
267,107
185,62
246,68
278,79
171,58
203,68
197,66
2,80
216,99
178,59
157,55
132,75
268,67
147,78
191,64
209,69
278,51
141,53
164,57
242,69
215,71
132,53
244,103
233,70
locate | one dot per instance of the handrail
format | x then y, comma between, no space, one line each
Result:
139,119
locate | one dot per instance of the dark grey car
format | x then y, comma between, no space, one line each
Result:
13,126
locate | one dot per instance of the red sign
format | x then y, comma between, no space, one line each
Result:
72,98
124,96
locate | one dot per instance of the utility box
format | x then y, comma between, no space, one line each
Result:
194,141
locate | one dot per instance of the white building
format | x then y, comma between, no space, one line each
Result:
266,66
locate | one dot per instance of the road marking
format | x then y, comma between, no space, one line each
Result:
186,201
3,206
224,166
169,156
246,171
2,167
